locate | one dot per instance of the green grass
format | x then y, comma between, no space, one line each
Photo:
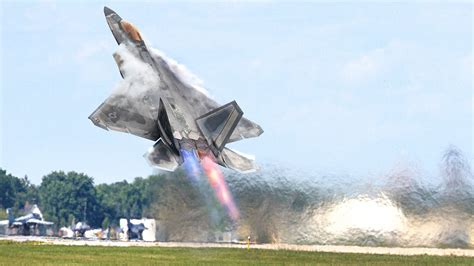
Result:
34,253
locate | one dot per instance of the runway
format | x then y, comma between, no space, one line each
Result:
316,248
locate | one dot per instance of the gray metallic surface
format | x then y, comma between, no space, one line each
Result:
157,104
218,125
233,160
161,157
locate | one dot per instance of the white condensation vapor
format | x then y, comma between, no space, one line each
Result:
182,72
142,77
137,74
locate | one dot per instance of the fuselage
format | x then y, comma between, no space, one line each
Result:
156,101
178,130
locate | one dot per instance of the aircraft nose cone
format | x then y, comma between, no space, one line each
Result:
108,11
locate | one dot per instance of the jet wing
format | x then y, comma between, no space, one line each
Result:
133,105
36,221
120,114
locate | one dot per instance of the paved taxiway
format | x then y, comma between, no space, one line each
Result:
319,248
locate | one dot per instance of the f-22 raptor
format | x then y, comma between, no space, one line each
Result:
26,222
181,119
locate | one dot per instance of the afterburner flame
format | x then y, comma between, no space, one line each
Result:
218,184
191,165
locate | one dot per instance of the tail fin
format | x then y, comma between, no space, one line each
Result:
36,210
217,125
11,218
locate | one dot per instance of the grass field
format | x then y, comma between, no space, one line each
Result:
34,253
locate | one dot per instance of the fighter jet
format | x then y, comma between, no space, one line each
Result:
182,120
135,230
80,229
26,222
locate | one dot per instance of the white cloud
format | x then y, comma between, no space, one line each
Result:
364,67
369,65
256,63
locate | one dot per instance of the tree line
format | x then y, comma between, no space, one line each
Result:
68,197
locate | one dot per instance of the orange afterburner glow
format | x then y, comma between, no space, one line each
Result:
218,184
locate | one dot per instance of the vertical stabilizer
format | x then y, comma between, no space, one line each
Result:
217,125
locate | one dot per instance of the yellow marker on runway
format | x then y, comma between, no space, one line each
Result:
248,243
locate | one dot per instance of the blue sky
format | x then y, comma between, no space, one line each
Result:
338,88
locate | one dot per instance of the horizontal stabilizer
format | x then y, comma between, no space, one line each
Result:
237,161
161,157
217,125
245,129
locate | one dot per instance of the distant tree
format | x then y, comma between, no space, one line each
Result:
63,195
3,214
105,223
27,195
10,189
110,198
123,199
71,220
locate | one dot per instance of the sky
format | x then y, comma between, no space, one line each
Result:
341,88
